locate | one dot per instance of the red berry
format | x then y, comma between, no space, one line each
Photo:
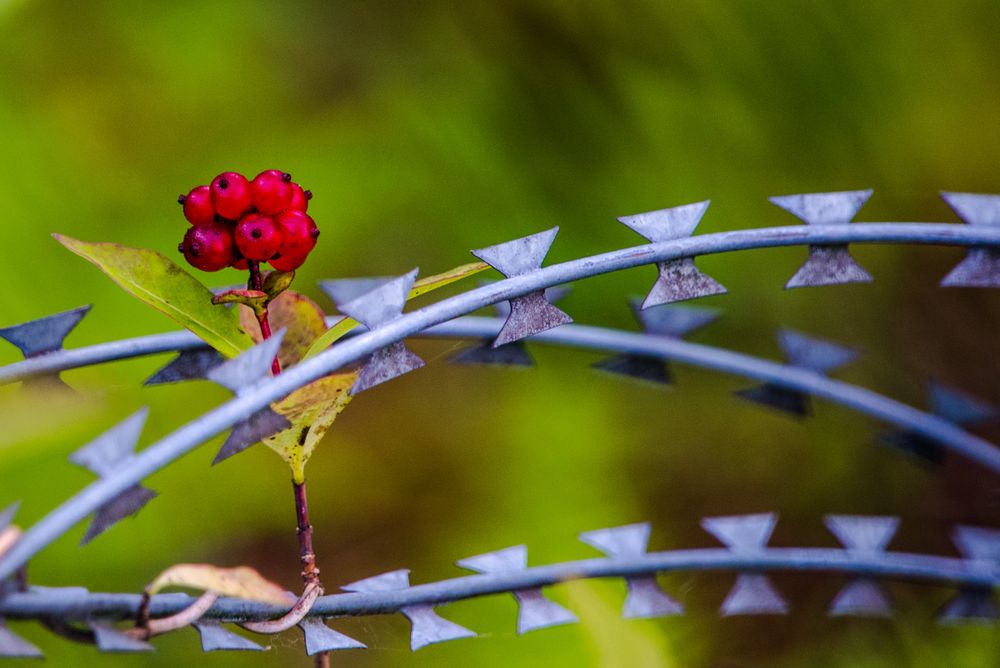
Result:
240,264
271,191
300,198
208,247
198,207
288,262
257,237
298,233
231,195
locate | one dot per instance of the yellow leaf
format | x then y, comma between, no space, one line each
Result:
423,286
240,582
301,317
311,410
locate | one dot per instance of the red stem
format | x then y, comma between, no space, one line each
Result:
310,573
257,283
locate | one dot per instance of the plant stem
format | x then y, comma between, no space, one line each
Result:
257,283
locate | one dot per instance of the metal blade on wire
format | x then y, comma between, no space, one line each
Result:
971,604
44,335
827,264
753,593
861,597
110,639
189,365
645,599
512,354
427,627
531,313
863,535
262,424
321,638
215,637
534,610
13,646
649,369
126,504
981,266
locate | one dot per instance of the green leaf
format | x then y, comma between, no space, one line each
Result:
421,287
311,410
162,284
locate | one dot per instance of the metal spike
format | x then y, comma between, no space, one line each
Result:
7,515
385,364
514,354
530,314
862,534
958,407
912,443
262,424
429,628
753,594
321,638
973,208
241,373
630,540
834,208
673,320
189,365
979,269
818,355
781,398
517,257
861,597
215,637
44,335
970,605
382,305
552,295
667,224
742,533
110,639
343,290
390,581
126,504
680,280
112,448
828,265
649,369
978,544
534,610
13,646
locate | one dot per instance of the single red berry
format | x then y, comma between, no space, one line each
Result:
198,207
257,237
300,198
208,247
288,262
231,195
298,233
271,191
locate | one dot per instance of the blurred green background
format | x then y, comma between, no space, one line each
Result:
426,129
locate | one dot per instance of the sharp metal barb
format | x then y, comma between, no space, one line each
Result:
242,373
911,443
680,280
742,533
981,266
645,600
385,364
344,290
753,594
974,208
7,515
959,407
630,540
519,256
45,335
215,637
862,535
828,265
513,354
639,367
781,398
391,581
112,448
13,646
673,320
429,628
194,364
530,315
834,208
110,639
321,638
552,295
970,604
978,544
861,597
382,305
126,504
817,355
262,424
667,224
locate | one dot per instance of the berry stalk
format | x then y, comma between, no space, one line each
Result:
257,283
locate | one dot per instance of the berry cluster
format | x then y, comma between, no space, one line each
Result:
234,221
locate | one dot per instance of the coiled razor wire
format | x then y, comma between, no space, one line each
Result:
827,233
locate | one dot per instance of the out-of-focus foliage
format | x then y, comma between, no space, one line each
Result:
426,129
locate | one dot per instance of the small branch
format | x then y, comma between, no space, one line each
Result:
186,617
310,573
298,612
257,283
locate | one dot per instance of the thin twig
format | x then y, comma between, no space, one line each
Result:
185,617
292,617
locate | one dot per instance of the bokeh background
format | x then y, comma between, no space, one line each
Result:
426,129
